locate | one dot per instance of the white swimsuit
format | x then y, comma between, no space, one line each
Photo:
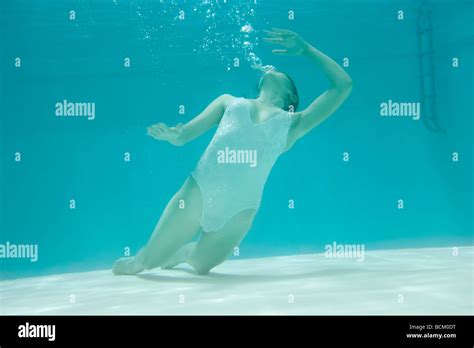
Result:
232,172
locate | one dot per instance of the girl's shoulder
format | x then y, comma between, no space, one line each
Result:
228,99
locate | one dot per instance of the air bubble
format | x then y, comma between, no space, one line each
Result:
247,28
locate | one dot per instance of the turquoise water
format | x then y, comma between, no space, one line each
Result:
190,62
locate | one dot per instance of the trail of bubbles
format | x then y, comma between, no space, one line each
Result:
251,57
228,33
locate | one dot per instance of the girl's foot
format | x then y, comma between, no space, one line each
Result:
129,265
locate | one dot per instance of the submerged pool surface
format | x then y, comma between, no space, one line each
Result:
409,281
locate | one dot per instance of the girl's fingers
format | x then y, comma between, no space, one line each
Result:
282,31
159,128
276,41
156,132
155,136
160,131
272,33
149,131
159,125
279,51
151,134
273,39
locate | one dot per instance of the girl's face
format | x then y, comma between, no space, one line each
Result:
275,80
279,84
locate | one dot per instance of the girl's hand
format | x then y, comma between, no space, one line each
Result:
161,131
293,43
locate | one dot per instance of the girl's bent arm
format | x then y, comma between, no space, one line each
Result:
208,118
181,134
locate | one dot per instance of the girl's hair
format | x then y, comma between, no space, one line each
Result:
292,98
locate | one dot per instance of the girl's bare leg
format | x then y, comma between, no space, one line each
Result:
176,227
213,248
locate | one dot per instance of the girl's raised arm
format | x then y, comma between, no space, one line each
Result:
325,104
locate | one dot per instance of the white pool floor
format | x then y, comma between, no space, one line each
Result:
406,281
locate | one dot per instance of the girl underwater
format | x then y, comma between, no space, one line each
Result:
221,199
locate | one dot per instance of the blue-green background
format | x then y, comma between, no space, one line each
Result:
186,62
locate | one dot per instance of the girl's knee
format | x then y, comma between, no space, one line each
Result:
200,270
203,271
